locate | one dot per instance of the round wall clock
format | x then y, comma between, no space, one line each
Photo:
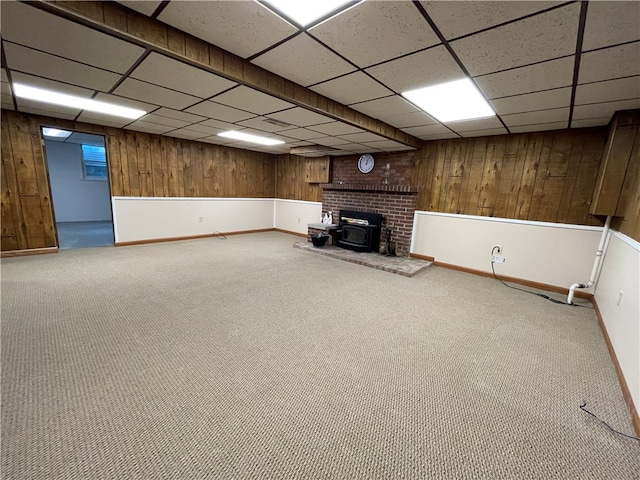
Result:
365,163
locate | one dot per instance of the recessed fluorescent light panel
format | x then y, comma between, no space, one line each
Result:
451,102
54,132
247,137
55,98
304,12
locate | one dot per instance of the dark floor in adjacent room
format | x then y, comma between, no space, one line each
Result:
84,234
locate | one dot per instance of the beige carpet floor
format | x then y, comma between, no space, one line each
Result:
246,358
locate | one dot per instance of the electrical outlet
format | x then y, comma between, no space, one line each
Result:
498,250
200,219
497,259
298,220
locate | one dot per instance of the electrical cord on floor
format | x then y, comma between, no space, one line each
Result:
219,235
541,295
582,407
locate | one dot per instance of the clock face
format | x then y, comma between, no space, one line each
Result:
365,163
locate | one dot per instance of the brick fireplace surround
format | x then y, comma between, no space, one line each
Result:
396,203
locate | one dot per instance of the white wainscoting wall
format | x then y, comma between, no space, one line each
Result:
295,215
550,253
150,218
621,313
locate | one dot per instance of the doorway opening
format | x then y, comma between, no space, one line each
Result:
79,181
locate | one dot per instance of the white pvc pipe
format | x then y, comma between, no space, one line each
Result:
596,263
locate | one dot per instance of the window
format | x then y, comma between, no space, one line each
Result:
94,162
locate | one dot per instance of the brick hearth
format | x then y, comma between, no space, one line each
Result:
397,204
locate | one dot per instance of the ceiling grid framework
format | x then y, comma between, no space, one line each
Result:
539,64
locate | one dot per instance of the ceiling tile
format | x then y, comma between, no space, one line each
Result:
455,19
244,28
353,32
142,126
304,61
484,133
219,112
185,133
362,137
560,97
260,123
353,88
418,70
217,140
125,102
384,106
5,78
540,127
336,128
541,76
301,143
31,106
329,141
362,149
252,100
302,134
146,92
535,39
33,81
160,120
44,65
590,122
300,117
170,73
178,115
427,130
610,63
205,130
439,136
608,91
102,119
7,102
475,124
38,29
540,116
218,124
601,110
404,120
610,23
387,144
146,7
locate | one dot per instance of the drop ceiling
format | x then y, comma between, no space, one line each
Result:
542,65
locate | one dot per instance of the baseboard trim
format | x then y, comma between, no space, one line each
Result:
422,257
291,233
28,251
519,281
191,237
626,393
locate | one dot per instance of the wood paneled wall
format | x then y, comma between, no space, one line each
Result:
147,165
27,215
545,176
299,178
140,165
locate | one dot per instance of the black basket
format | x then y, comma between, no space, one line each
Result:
319,240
